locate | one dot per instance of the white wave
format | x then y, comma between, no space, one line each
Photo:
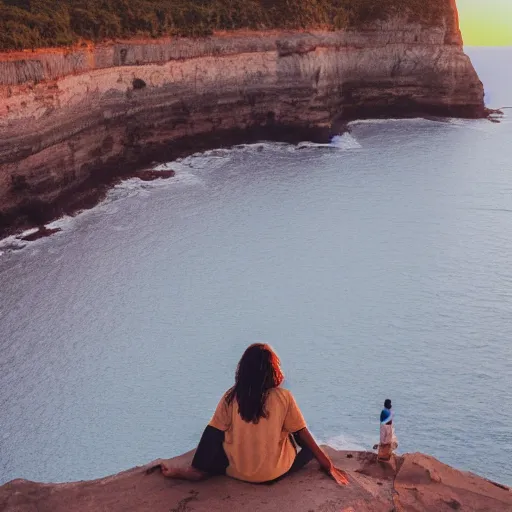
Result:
133,187
200,161
264,145
391,120
27,232
16,243
217,158
481,125
11,244
123,190
346,141
215,153
187,178
307,144
164,167
348,443
62,223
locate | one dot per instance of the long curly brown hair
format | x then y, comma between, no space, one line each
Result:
257,373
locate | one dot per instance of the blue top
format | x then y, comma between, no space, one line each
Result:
386,416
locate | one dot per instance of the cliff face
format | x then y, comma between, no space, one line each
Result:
72,120
412,483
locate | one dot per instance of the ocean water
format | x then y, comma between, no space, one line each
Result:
378,266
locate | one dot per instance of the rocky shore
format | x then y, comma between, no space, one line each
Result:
411,483
73,121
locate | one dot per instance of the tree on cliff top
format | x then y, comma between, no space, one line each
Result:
28,24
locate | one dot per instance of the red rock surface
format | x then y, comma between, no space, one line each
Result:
413,483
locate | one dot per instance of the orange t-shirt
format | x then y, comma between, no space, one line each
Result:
263,451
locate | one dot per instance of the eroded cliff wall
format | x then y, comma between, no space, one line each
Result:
71,120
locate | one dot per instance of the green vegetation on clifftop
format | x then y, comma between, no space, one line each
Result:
28,24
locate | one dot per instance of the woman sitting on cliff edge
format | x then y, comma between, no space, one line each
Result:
254,433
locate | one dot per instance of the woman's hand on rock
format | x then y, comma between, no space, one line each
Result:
339,476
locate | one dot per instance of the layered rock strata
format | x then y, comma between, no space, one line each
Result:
72,121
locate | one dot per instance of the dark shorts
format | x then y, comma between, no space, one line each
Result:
211,458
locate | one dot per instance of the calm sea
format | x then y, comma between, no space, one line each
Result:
378,266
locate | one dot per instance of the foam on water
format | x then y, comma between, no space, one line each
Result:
481,125
15,243
61,223
307,144
135,187
265,146
346,141
412,120
348,443
218,158
10,244
130,188
208,160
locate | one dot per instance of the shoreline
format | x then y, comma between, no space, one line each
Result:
34,214
75,122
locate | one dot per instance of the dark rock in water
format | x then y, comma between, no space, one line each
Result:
42,232
495,115
155,175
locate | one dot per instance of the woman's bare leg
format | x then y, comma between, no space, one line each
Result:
192,474
189,473
209,456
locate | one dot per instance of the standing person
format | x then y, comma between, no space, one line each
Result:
388,441
254,431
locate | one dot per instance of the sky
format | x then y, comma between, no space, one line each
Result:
486,22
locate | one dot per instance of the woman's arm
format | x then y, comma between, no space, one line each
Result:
324,461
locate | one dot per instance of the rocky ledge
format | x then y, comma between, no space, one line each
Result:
72,121
411,483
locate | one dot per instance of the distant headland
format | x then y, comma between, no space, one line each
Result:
154,81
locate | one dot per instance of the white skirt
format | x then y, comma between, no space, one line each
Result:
388,442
